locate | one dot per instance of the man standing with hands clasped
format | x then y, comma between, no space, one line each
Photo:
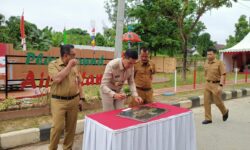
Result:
66,92
144,70
118,71
215,75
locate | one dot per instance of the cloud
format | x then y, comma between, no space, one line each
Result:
79,13
58,14
221,22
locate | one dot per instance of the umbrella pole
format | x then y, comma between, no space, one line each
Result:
129,46
138,48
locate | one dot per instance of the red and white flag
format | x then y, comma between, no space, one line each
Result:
22,32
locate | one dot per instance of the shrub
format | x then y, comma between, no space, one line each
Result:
7,103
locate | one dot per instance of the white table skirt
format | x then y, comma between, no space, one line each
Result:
172,133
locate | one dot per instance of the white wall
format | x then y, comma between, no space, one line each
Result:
2,61
227,59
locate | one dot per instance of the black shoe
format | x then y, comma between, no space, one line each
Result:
206,121
225,116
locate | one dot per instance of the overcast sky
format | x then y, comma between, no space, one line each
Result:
80,13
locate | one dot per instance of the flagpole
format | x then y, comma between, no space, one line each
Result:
64,36
24,44
22,31
93,42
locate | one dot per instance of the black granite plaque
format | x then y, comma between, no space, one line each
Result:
142,113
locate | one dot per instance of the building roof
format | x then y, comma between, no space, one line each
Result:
219,46
242,46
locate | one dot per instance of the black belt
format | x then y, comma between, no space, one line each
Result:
144,89
65,97
209,81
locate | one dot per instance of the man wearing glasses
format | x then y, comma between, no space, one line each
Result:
65,95
116,73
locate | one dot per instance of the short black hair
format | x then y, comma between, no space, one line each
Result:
211,49
65,49
131,54
144,49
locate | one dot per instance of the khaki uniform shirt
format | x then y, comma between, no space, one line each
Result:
69,86
214,70
114,77
143,74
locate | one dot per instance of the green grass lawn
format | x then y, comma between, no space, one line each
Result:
93,90
189,79
185,95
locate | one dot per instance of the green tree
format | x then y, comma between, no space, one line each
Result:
100,40
187,14
152,15
75,36
78,39
159,34
109,37
40,39
57,38
77,31
43,39
78,36
35,38
2,19
203,43
241,30
195,34
4,37
13,25
230,41
3,30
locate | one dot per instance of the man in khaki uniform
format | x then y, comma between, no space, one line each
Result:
215,75
144,70
117,71
66,92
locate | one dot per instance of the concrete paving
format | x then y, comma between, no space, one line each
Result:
44,145
234,134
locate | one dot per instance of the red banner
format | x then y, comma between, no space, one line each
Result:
3,49
22,27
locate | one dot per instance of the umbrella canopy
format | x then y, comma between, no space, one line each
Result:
131,37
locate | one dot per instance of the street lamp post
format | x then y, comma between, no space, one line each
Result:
119,28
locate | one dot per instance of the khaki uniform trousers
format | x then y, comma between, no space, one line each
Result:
211,92
64,117
109,103
147,97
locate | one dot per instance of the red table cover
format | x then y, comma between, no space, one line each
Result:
111,120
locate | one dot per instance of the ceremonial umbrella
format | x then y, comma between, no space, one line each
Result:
131,37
